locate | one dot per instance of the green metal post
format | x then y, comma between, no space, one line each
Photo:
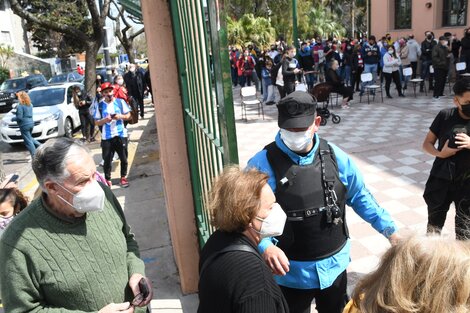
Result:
294,23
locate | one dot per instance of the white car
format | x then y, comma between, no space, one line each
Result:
54,114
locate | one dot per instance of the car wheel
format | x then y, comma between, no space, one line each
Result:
68,128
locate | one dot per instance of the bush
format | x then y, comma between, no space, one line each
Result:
4,74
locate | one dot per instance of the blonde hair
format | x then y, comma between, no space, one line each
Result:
235,198
419,275
23,98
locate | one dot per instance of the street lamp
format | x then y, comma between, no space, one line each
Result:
294,23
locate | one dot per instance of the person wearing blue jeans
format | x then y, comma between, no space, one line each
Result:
268,88
24,119
371,56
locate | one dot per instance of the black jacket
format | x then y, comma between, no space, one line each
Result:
465,42
439,57
237,281
426,49
135,84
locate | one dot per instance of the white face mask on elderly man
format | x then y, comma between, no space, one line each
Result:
89,199
296,141
273,224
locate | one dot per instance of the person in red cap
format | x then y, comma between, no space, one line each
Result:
111,114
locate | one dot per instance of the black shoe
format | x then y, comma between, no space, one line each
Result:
389,96
270,103
401,95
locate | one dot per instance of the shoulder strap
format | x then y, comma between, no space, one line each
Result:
230,248
331,166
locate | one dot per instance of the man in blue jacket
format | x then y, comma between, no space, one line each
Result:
313,181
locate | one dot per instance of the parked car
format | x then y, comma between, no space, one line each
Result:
11,87
66,78
102,72
54,114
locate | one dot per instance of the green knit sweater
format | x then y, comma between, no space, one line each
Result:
49,265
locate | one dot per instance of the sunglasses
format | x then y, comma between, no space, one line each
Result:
144,292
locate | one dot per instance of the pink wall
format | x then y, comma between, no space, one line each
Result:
422,19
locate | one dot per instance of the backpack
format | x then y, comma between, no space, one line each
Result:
133,105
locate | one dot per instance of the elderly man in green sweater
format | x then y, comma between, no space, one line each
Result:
71,250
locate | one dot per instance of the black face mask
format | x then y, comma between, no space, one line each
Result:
466,109
467,34
429,37
388,38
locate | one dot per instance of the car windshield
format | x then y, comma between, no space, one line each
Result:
47,97
62,78
14,84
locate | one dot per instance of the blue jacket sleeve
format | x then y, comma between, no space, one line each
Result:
19,114
359,197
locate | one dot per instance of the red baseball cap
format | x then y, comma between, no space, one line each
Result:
106,85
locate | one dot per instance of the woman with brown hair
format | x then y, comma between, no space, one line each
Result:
24,119
418,275
12,201
233,276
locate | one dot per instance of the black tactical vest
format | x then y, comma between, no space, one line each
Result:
315,228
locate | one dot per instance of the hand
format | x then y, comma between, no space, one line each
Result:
446,151
296,70
125,307
117,117
107,118
394,238
462,140
81,103
276,259
134,285
369,53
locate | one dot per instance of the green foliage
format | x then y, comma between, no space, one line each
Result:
72,13
326,17
6,52
250,29
4,74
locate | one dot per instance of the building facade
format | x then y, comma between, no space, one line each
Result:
404,17
11,29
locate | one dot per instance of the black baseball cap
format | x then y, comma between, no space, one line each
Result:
297,110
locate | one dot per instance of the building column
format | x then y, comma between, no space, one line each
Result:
172,140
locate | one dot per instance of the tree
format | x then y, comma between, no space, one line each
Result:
62,17
6,52
250,29
125,35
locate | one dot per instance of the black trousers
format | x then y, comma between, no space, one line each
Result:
388,81
330,300
108,147
414,66
282,93
439,194
345,91
440,81
87,124
356,78
289,87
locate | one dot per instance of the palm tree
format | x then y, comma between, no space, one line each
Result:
250,29
325,23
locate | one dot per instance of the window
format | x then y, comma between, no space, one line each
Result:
454,13
402,14
5,37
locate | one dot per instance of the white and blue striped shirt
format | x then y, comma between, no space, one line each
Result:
113,128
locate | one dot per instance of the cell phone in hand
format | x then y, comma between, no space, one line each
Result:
113,115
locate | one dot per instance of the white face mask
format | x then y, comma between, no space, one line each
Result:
4,221
390,51
296,141
89,199
120,82
273,224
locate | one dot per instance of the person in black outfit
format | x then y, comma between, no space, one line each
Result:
357,67
135,84
83,102
289,70
336,82
233,276
440,61
465,51
427,46
449,180
148,82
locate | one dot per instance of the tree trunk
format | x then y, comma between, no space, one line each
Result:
90,68
130,52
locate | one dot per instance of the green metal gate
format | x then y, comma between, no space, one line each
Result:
204,74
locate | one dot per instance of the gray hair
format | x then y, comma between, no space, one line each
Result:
50,159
